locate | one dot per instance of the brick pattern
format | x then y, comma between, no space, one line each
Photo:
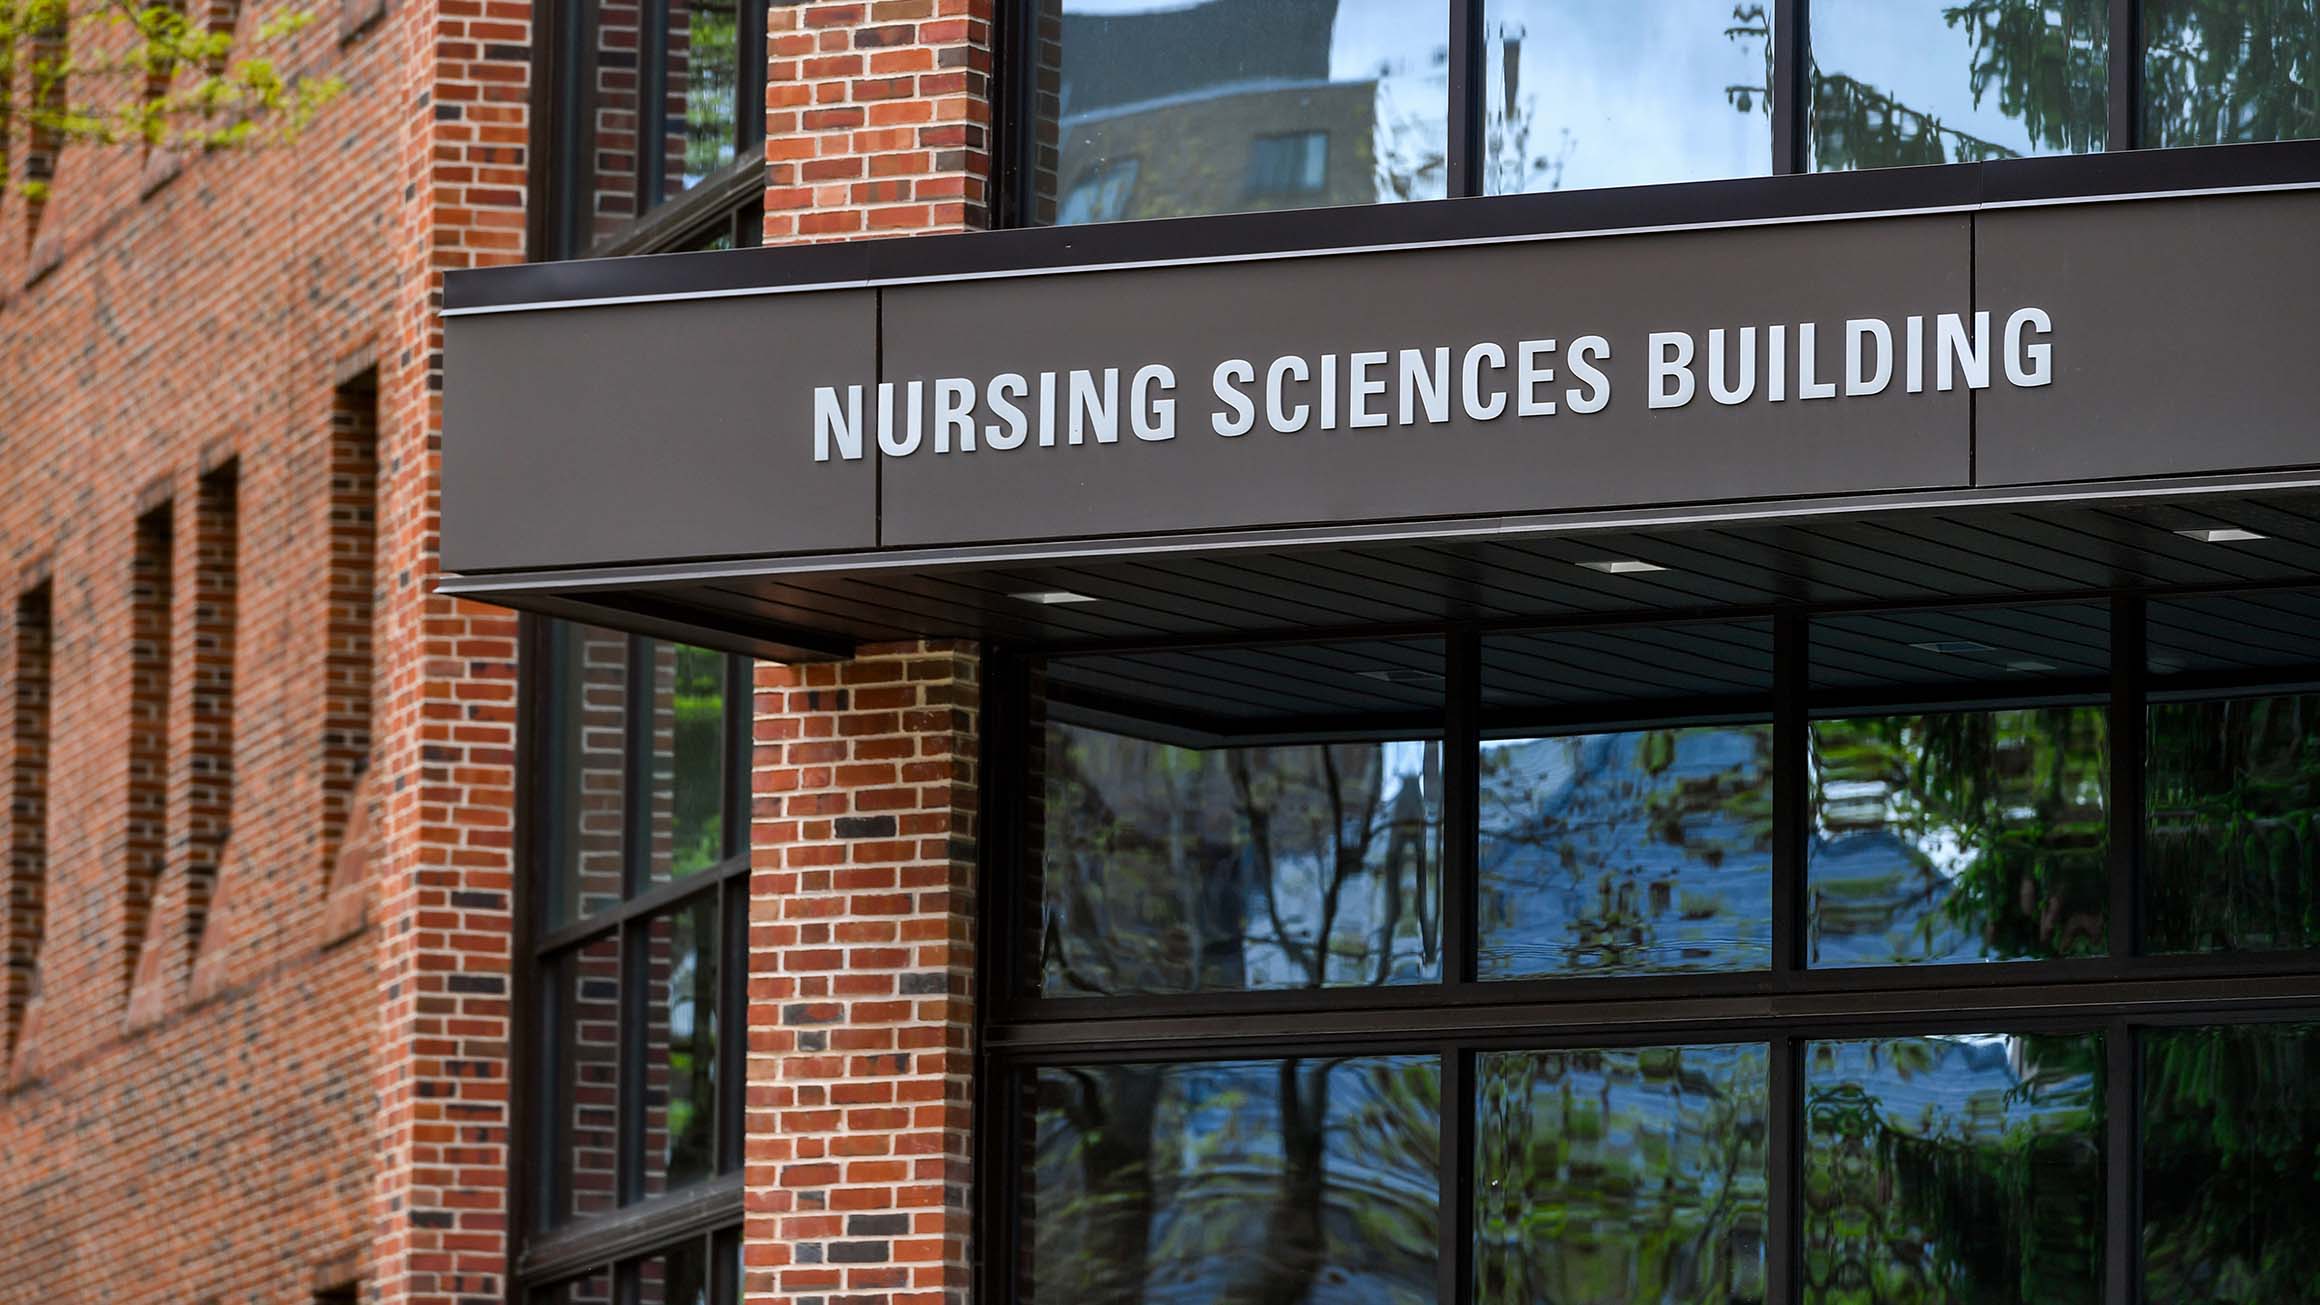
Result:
878,119
25,910
444,698
353,597
207,773
861,979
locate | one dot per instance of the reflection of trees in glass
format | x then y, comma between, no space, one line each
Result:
2047,63
712,85
2232,855
1964,1169
685,941
2219,72
2231,1164
1289,1182
1962,836
1614,1176
1171,869
1644,852
695,769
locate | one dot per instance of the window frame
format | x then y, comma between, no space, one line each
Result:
636,1226
2114,992
1014,162
558,226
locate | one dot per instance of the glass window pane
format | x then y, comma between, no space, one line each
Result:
1902,82
677,1276
688,760
2222,72
1631,1174
1646,852
2231,1186
587,770
2232,857
611,138
1313,1180
584,1133
680,1046
1957,1168
702,109
1963,836
1584,93
1162,108
1178,869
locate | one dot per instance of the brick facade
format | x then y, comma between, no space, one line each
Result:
261,890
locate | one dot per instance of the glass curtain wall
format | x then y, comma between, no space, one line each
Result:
1170,108
1830,957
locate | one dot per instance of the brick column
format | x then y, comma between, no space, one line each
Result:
861,979
444,736
878,119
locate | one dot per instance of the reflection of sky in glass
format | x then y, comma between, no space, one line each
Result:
1911,52
1622,93
1626,853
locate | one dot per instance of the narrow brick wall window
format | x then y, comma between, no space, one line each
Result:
147,835
638,769
28,809
210,794
354,498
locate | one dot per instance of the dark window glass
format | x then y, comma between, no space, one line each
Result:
1586,93
677,1276
584,1135
2231,1164
1643,852
680,1046
2222,72
1963,836
587,770
1962,1168
1902,82
688,760
1180,869
1610,1176
1168,109
1312,1179
2232,855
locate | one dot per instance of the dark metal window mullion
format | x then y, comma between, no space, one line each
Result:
1784,1153
1791,794
2127,725
636,861
1456,1219
2126,74
652,117
1467,111
1461,808
1791,74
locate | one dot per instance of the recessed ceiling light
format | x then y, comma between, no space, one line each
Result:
1053,597
1402,675
2224,535
1953,646
1622,566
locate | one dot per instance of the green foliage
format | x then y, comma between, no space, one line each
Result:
113,72
2221,72
2232,858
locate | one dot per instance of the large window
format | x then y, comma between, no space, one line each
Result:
656,120
1167,108
637,774
1821,956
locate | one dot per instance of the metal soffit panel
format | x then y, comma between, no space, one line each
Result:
1917,557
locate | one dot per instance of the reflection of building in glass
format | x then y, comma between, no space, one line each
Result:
1234,105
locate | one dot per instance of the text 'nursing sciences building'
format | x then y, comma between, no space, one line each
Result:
1485,656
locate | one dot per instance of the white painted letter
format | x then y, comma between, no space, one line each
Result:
1808,363
1276,416
1153,419
1586,351
1858,381
1004,389
1671,360
1952,350
833,426
1093,411
1529,376
2029,366
1427,385
953,400
1741,392
1470,391
1231,374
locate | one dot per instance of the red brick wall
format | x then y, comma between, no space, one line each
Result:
878,119
861,979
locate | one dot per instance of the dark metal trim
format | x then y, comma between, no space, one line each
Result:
1740,201
652,901
2126,75
1791,798
1791,76
1467,140
1455,1217
716,197
1784,1154
2122,1167
592,1243
2128,718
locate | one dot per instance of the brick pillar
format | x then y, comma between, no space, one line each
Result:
878,119
443,730
861,979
